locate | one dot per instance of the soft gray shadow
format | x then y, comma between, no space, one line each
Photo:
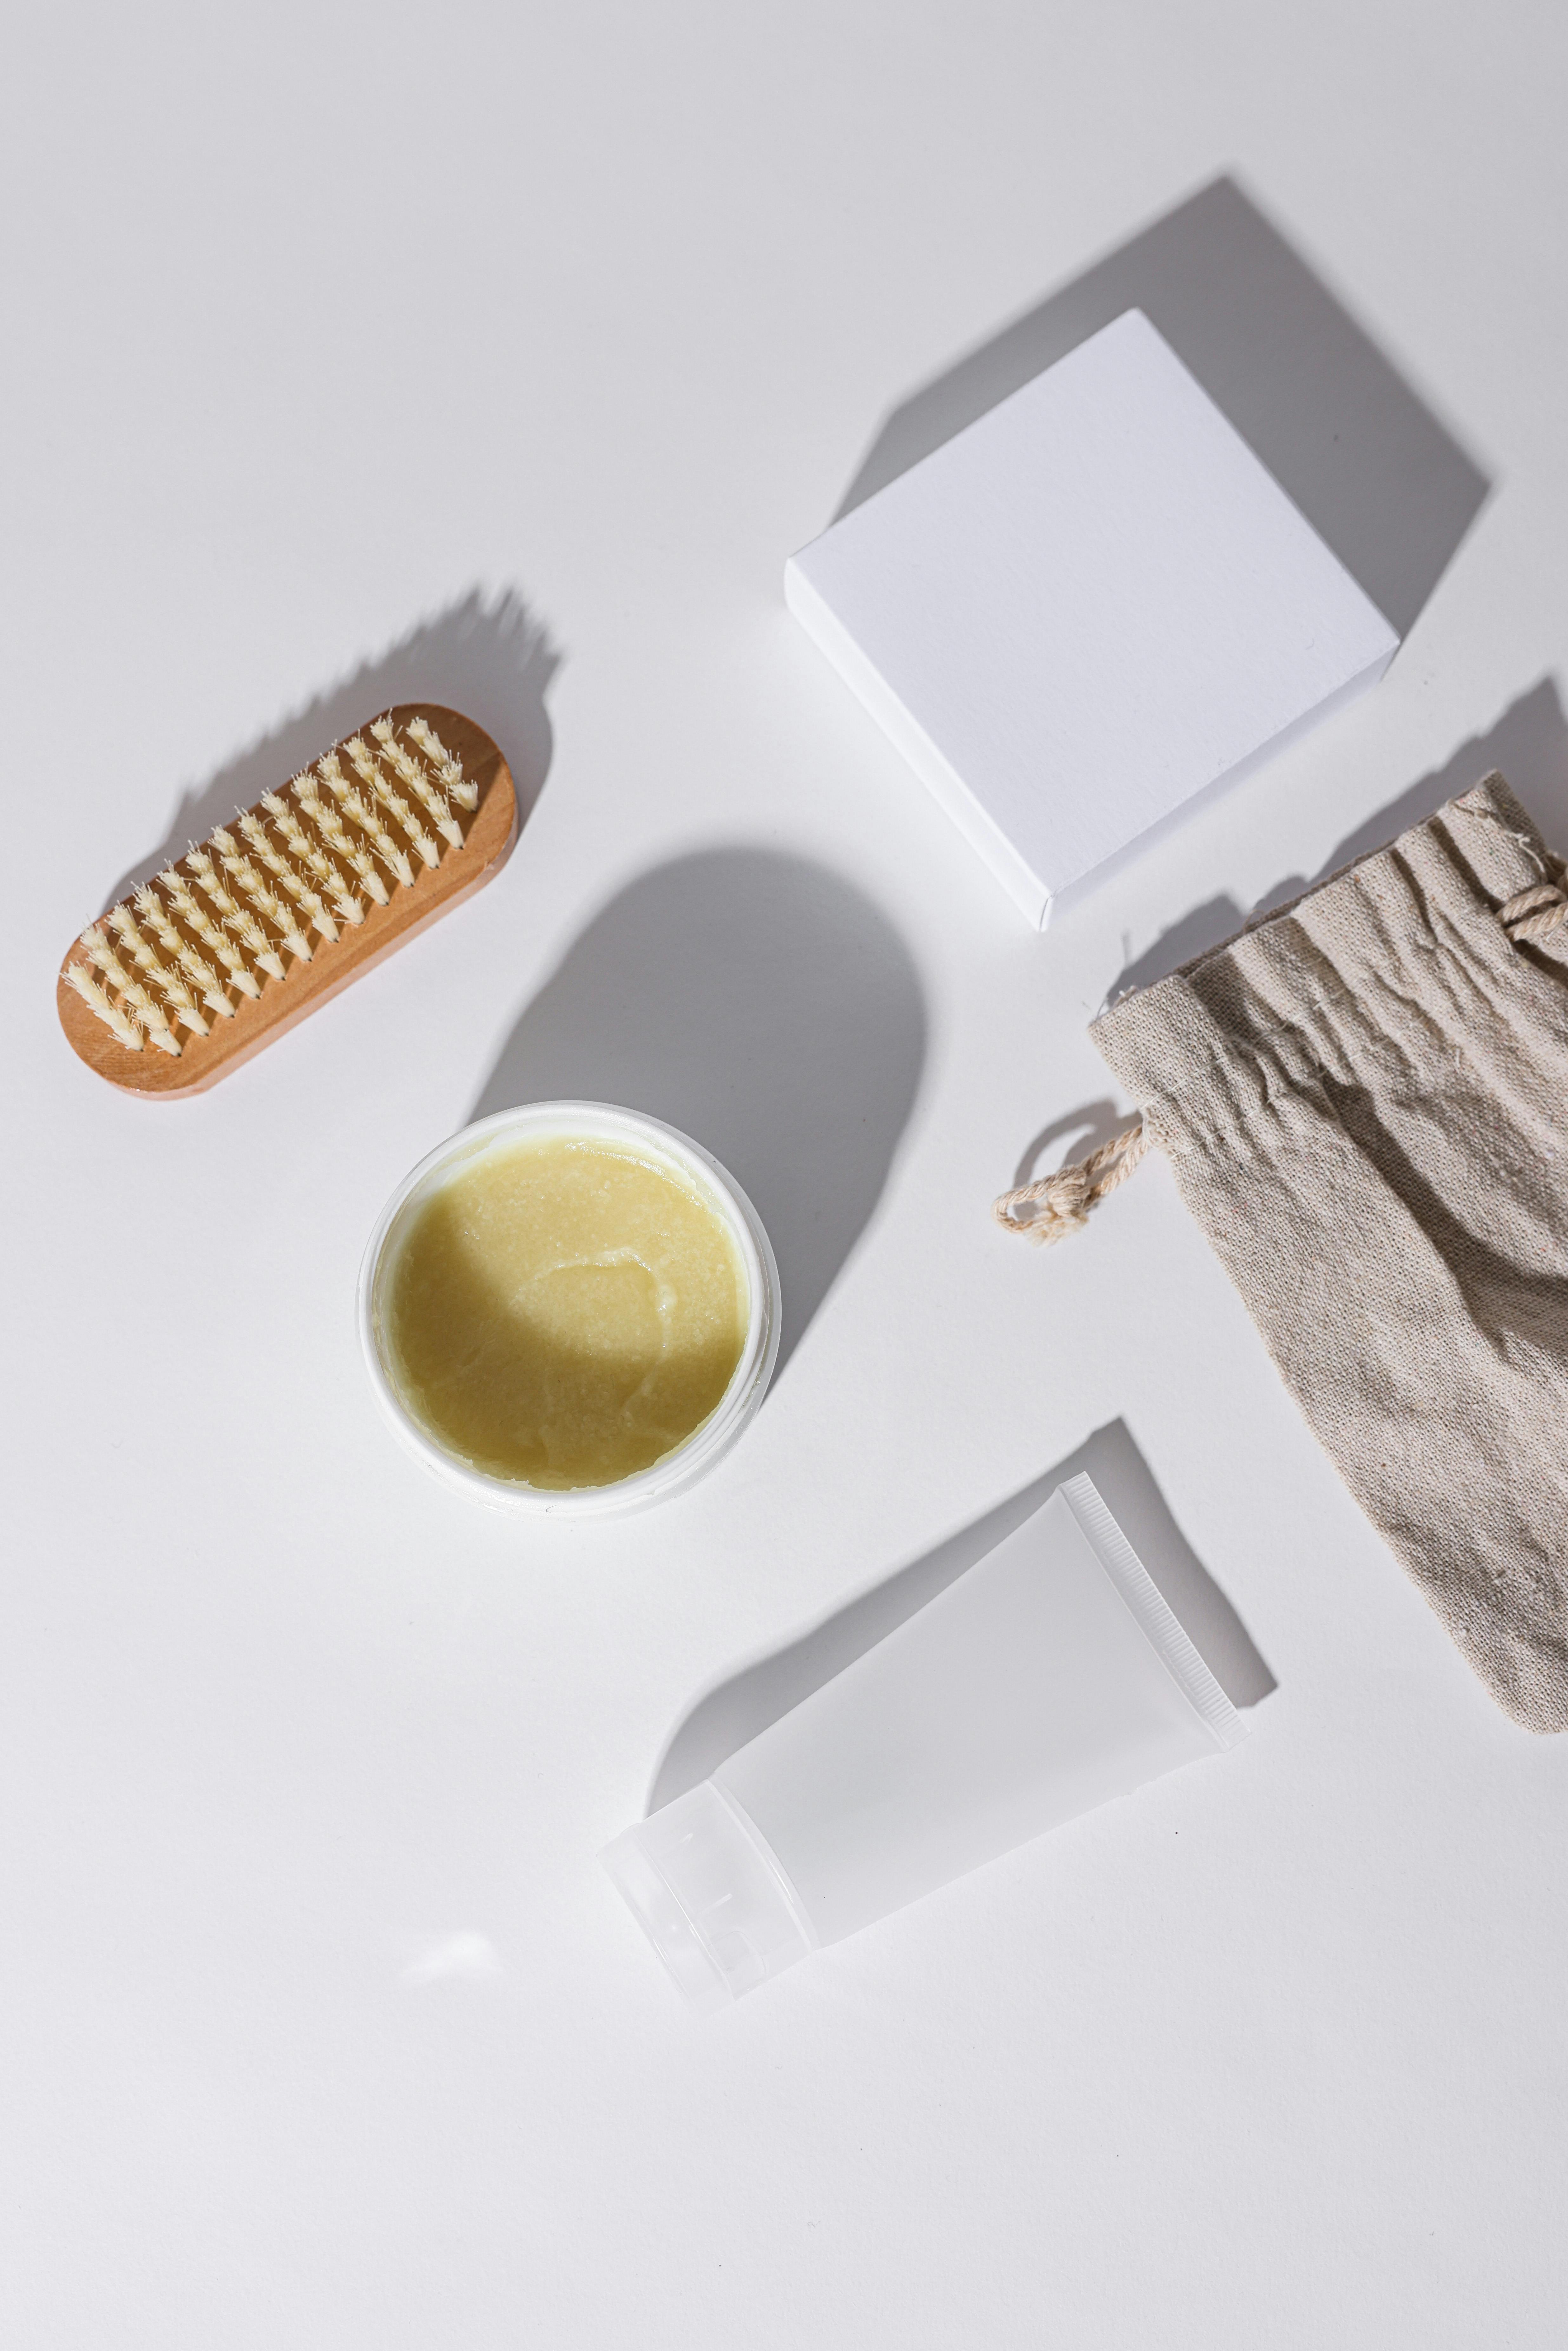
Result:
762,1005
1197,934
1091,1125
1374,471
746,1702
489,658
1529,744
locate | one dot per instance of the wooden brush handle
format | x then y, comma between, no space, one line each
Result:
488,834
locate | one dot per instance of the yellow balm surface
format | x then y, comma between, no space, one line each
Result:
563,1313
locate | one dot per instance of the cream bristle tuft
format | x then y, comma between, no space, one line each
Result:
95,941
257,835
374,825
122,922
315,906
211,986
234,964
197,918
330,825
429,853
316,862
394,802
254,939
208,984
180,897
427,792
142,1007
202,866
309,901
146,1008
447,764
327,821
178,997
355,805
428,850
168,978
147,961
364,865
155,914
264,898
137,1004
97,999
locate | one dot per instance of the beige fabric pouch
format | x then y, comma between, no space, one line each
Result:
1365,1101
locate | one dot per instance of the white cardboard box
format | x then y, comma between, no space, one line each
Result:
1085,612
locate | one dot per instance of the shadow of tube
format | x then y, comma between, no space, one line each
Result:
743,1705
764,1007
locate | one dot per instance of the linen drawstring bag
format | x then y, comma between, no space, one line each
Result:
1365,1101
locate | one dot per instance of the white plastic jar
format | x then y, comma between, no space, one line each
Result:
663,1147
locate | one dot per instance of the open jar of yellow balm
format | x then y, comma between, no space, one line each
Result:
570,1310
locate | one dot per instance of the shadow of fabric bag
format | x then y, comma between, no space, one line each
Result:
1365,1101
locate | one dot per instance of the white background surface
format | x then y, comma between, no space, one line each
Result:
322,2027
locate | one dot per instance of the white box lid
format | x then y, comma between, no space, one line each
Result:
1084,611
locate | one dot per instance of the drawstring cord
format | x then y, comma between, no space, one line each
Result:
1536,913
1062,1202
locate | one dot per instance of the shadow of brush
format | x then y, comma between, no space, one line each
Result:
491,659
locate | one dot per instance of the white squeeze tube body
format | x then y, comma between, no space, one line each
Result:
1048,1679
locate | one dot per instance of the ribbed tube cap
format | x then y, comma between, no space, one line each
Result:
710,1895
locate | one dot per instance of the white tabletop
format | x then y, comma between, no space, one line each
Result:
502,357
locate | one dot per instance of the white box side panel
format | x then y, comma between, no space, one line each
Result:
976,823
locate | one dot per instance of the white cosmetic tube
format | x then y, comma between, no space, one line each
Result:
1048,1679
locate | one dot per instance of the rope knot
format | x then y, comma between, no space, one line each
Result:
1062,1202
1536,913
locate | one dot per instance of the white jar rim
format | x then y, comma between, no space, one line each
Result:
650,1138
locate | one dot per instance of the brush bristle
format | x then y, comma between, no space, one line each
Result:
214,926
265,902
447,765
430,799
97,999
